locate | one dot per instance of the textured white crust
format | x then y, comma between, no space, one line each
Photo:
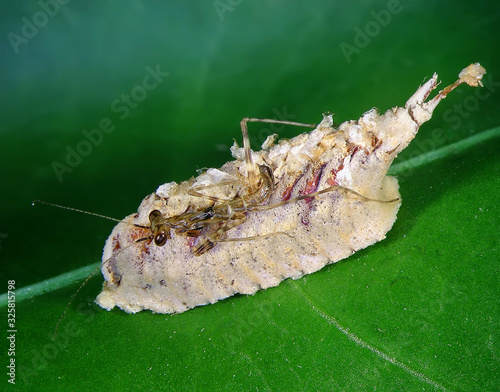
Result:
321,230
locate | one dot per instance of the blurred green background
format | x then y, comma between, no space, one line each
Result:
418,311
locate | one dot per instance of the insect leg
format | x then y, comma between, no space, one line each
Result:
255,237
236,219
317,193
195,191
251,169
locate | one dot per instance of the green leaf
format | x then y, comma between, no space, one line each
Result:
417,311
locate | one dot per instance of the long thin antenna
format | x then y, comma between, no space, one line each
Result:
87,212
97,269
74,209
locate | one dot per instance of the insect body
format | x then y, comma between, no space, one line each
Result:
225,214
278,213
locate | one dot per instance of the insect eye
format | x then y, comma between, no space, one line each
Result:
154,214
160,239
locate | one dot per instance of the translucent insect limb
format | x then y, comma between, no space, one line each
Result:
251,173
333,188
